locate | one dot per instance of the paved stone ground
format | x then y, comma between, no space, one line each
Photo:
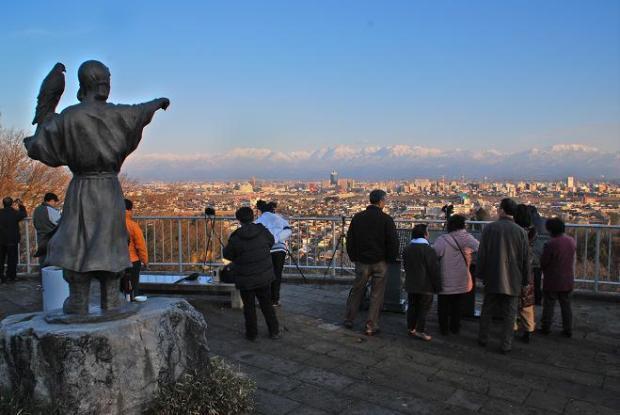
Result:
319,367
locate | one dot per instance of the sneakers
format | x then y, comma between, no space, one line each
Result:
422,336
370,330
347,324
277,304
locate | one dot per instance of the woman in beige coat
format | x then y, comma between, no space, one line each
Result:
455,251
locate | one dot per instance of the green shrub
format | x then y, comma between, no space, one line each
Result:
221,391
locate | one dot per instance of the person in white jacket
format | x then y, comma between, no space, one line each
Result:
281,231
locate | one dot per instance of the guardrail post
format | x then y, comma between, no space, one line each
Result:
180,241
28,250
597,260
333,260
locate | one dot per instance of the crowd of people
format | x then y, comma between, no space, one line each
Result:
517,270
508,260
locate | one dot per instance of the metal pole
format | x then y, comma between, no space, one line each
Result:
180,242
28,266
609,241
597,260
585,255
154,242
189,237
333,247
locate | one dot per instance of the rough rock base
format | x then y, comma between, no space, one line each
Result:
111,367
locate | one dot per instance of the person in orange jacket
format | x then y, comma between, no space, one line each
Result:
138,253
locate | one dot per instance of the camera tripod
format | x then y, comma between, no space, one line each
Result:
339,246
210,218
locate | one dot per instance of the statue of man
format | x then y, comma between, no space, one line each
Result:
93,138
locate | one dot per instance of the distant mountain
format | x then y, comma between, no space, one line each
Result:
380,162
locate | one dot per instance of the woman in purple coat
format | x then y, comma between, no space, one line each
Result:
558,267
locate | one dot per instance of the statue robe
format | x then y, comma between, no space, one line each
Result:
92,139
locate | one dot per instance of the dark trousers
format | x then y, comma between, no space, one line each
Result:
277,258
449,312
131,280
8,255
417,310
537,286
508,306
263,294
549,299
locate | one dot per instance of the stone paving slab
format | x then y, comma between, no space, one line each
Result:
319,367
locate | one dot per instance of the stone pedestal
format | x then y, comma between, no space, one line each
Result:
111,367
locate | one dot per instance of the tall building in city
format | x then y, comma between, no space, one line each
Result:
570,182
333,178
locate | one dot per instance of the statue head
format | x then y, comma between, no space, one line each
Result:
94,79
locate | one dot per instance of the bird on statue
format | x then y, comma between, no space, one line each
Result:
51,90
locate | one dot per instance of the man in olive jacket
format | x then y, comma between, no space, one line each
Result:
249,250
503,265
371,243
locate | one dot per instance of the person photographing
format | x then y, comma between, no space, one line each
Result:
281,231
12,212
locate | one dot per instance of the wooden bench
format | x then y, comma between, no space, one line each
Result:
192,287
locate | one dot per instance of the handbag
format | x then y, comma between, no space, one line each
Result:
227,274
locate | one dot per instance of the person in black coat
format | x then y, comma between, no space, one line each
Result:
249,250
372,243
11,214
422,280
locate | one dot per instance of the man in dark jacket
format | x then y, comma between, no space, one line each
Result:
249,250
371,243
422,279
11,214
558,265
503,265
45,219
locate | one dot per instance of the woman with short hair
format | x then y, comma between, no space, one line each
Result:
455,250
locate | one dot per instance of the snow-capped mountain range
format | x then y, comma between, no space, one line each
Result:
380,162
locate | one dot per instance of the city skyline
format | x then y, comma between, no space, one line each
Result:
295,77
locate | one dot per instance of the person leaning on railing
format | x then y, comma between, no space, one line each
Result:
281,231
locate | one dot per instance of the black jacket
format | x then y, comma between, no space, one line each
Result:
9,225
422,271
371,237
249,250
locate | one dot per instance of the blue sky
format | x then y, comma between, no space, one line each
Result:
295,75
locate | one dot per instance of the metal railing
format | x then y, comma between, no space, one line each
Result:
182,244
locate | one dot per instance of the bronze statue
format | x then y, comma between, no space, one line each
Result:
92,138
